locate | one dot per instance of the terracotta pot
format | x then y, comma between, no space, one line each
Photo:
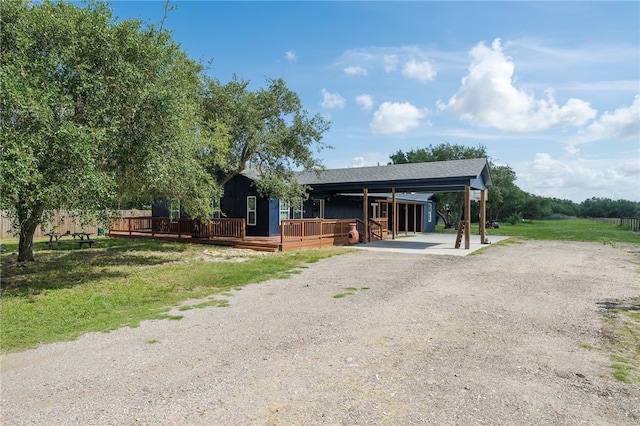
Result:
353,233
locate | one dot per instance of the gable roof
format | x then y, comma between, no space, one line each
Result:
451,175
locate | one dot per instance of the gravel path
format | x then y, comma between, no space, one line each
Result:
497,338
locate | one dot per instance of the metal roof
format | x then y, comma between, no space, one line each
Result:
434,176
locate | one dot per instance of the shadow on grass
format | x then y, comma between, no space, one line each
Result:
71,266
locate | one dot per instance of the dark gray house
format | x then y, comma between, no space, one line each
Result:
343,193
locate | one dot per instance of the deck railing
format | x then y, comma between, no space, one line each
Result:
378,228
195,228
314,229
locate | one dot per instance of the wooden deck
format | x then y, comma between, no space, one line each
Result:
294,234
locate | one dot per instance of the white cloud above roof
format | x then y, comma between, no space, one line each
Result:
396,117
365,101
422,71
355,70
585,178
623,123
332,100
489,98
291,56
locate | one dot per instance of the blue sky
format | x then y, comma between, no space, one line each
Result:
552,89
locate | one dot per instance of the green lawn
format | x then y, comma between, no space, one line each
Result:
561,230
120,282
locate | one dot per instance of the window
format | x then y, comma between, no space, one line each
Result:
297,211
174,213
251,210
318,208
215,208
285,206
429,213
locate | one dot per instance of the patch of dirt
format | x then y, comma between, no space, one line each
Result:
231,255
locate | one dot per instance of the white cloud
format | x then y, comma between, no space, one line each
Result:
355,70
623,123
579,179
369,60
390,62
365,101
395,117
488,98
422,71
370,159
332,100
291,56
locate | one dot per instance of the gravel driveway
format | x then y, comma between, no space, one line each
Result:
499,338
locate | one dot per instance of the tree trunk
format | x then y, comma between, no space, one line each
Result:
25,247
446,219
29,221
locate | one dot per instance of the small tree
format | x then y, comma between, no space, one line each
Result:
92,110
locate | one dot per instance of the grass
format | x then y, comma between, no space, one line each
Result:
561,230
621,331
119,283
349,292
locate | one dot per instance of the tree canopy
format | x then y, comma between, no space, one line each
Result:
92,110
268,131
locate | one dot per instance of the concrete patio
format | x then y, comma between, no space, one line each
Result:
428,243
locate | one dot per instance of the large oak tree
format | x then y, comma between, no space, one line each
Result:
269,131
93,109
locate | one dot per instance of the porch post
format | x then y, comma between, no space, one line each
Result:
394,213
467,216
415,217
483,215
406,218
365,212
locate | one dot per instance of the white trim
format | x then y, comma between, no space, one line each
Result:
252,220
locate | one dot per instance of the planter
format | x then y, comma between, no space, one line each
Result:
353,233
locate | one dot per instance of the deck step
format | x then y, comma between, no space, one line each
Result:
258,247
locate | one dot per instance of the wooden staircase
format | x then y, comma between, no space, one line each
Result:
461,227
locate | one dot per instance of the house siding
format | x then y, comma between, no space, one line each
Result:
234,205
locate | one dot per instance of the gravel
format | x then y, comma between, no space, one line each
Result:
500,338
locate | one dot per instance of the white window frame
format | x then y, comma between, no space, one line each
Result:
429,213
252,220
174,209
298,212
284,209
320,202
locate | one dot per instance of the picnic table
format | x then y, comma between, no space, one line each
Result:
84,238
54,238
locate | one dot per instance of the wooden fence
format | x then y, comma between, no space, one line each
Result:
193,228
63,221
631,223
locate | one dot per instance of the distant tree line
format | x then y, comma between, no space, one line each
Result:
506,201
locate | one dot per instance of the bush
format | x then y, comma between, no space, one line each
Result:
514,218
